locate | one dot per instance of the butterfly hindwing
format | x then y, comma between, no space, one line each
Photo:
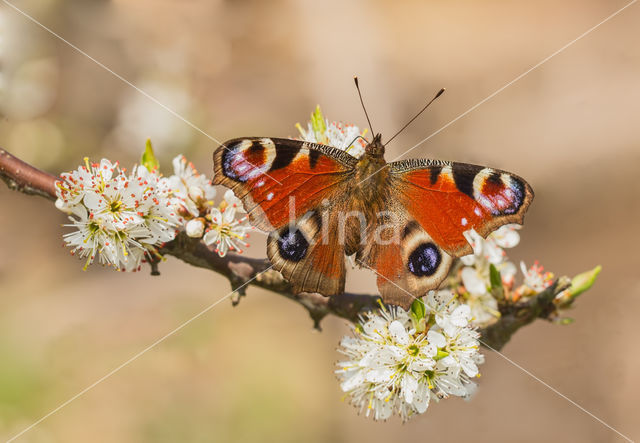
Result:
406,259
448,198
308,255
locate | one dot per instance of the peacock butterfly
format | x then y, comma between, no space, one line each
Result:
404,219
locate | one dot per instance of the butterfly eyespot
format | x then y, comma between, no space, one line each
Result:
516,194
424,260
292,244
247,159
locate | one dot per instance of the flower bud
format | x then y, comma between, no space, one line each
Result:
196,192
61,205
195,228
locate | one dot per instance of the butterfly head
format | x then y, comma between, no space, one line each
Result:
375,148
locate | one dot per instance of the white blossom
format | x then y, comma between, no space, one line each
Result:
234,202
483,308
391,368
448,314
346,137
535,278
194,189
224,230
475,275
117,217
492,248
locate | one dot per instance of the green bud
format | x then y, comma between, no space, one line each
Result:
149,159
440,355
318,124
496,282
418,309
584,281
418,313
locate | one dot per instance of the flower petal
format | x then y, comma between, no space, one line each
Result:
381,375
398,333
436,338
421,398
472,281
409,386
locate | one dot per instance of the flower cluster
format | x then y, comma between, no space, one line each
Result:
346,137
475,277
472,281
122,218
195,191
398,361
117,216
225,226
535,280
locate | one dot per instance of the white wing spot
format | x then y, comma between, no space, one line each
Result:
268,144
270,196
463,221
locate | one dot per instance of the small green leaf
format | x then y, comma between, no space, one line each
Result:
565,321
418,313
495,277
440,355
417,309
496,282
584,281
149,159
318,124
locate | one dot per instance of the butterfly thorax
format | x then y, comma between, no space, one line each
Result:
371,174
368,192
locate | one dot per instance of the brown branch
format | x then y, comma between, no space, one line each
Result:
515,316
244,271
23,177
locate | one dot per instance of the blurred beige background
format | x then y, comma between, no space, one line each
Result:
258,373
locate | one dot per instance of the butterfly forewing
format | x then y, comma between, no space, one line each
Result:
449,198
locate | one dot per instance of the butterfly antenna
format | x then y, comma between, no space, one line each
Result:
440,92
354,140
355,79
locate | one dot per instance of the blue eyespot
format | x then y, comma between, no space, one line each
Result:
292,244
424,260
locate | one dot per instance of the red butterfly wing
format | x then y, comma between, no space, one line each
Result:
433,204
283,184
407,260
448,199
280,179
